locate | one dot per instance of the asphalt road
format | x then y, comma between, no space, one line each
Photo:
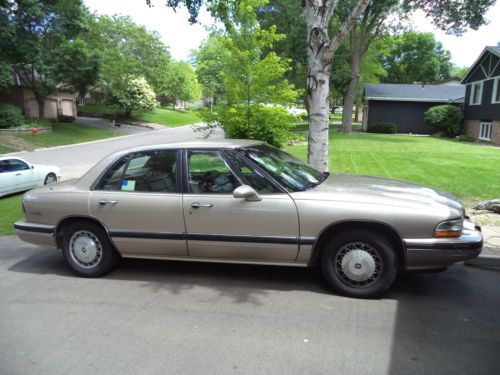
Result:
153,317
75,160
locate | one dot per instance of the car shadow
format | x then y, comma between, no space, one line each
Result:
238,280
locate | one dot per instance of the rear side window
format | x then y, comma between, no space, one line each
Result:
151,171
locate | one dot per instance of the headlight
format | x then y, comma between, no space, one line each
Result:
449,228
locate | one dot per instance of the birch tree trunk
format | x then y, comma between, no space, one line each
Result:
320,51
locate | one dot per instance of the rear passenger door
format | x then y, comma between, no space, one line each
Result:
139,201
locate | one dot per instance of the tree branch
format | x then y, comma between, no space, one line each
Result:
344,29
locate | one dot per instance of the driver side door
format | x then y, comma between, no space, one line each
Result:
220,226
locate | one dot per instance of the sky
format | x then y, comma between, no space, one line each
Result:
181,37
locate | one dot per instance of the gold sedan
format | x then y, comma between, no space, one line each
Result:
243,201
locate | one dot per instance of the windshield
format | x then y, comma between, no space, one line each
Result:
290,171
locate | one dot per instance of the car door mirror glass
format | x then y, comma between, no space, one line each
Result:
246,192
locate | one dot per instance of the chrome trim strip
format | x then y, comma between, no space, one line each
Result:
215,237
218,260
469,240
38,228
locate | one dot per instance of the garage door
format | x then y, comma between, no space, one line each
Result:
67,107
32,109
51,108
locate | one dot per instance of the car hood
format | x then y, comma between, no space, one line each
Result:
374,190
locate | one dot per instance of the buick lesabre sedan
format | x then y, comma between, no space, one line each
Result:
243,201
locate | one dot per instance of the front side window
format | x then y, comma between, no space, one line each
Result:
476,93
495,99
208,173
288,170
249,175
485,131
4,166
149,171
17,165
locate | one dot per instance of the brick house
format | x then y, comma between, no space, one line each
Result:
482,97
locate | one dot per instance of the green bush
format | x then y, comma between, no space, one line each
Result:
65,118
10,116
269,124
445,118
466,138
383,128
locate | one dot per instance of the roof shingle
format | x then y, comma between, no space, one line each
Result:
414,92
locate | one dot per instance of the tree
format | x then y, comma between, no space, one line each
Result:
369,27
252,78
209,60
125,48
135,95
35,34
180,84
416,57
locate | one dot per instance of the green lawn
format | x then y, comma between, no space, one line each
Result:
67,133
11,210
163,116
469,171
5,149
303,127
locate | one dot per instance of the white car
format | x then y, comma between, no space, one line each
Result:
18,175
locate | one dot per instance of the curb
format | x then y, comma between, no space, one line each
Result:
484,261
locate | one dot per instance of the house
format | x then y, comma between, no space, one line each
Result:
405,104
482,97
60,103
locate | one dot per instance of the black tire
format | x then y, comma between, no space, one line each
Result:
101,257
380,272
51,178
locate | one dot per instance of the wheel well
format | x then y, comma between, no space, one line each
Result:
65,223
333,230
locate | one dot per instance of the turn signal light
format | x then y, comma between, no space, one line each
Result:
450,233
449,228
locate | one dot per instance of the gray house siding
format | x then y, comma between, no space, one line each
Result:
486,110
408,116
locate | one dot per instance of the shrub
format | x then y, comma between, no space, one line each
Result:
445,118
10,116
465,138
383,128
66,118
269,124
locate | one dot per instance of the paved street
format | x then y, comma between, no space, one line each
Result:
153,317
75,160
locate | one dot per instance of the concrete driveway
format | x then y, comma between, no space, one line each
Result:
75,160
154,317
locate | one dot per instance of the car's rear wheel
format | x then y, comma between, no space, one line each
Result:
51,178
359,264
88,250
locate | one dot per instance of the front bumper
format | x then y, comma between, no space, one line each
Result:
38,234
423,253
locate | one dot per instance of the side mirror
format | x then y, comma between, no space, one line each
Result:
247,192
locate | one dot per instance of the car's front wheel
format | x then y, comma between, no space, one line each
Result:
51,178
88,250
359,264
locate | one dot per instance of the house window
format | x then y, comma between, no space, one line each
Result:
495,99
485,131
476,93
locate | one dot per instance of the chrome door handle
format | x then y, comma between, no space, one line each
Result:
104,201
198,205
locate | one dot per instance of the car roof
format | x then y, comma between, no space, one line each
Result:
204,143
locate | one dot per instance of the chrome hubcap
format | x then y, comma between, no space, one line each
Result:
358,264
85,249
